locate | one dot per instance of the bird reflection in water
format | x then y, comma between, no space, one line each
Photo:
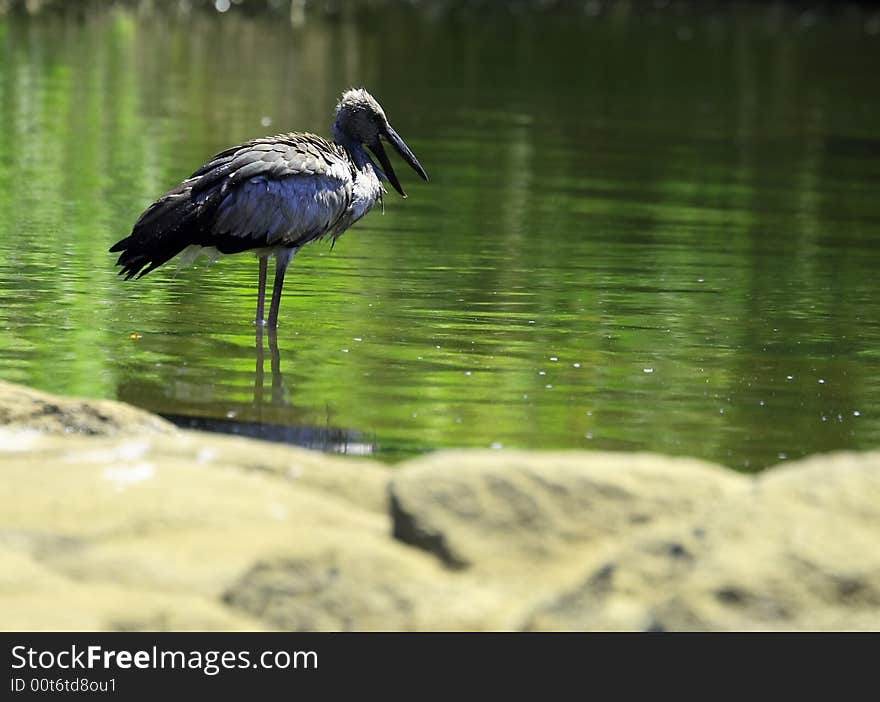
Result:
250,422
275,359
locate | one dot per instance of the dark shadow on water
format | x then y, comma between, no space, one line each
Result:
327,439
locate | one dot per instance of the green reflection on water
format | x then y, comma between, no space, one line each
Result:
635,236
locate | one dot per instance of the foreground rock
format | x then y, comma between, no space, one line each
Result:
798,550
25,409
112,519
504,509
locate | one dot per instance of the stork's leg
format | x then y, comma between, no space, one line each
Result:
283,257
261,293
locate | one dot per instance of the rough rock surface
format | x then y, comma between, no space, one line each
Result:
112,519
798,550
23,408
505,508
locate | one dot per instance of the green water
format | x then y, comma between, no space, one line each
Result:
647,231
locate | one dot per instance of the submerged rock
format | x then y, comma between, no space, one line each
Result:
111,519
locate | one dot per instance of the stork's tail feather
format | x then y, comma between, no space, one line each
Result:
164,230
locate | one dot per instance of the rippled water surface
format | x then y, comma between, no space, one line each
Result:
652,230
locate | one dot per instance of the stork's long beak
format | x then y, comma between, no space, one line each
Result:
405,153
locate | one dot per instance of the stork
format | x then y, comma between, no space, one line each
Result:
272,196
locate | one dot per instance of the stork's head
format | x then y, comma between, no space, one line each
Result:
361,120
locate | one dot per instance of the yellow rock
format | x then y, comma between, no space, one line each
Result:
112,519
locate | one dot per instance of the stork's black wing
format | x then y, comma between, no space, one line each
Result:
282,190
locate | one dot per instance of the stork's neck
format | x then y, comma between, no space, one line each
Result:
355,149
367,188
